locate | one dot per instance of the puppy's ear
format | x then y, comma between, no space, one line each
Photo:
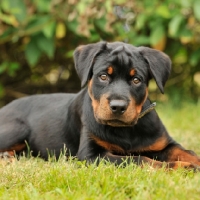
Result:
159,65
84,58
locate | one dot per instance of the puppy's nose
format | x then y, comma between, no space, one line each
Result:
118,106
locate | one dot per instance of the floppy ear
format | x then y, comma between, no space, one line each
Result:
159,65
84,57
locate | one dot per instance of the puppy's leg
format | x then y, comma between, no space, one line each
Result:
13,134
177,153
141,160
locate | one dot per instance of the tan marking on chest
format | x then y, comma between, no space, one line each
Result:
108,146
158,145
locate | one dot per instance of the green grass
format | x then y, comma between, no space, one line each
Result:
35,179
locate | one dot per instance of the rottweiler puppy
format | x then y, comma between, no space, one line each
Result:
111,117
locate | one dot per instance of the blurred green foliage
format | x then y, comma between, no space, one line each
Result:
37,39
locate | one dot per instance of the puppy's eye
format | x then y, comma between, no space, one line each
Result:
136,80
103,77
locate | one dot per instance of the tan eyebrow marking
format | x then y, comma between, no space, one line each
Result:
110,70
132,72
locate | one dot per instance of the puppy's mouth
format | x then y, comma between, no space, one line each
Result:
117,122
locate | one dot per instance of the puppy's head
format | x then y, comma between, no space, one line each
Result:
117,75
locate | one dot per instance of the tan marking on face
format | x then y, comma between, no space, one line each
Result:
110,70
95,103
139,107
90,88
104,115
132,72
108,146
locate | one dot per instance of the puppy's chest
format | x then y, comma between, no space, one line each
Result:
127,146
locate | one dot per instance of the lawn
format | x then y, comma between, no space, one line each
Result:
35,179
